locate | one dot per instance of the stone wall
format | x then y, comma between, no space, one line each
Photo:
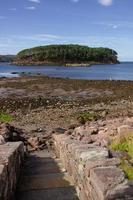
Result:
11,156
96,176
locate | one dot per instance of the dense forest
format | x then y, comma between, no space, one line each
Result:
64,54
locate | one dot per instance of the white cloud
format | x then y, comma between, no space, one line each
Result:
30,8
35,1
75,1
39,37
106,2
115,26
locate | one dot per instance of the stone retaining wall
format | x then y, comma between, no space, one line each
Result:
11,156
95,175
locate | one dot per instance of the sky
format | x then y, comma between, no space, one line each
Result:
96,23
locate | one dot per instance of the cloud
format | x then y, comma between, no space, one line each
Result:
106,2
39,37
30,8
75,1
35,1
115,26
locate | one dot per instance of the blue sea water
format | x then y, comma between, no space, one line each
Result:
122,71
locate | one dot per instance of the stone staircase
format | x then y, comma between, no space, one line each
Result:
44,178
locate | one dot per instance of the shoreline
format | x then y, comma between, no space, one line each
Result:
84,64
17,75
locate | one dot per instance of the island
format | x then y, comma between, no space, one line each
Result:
67,55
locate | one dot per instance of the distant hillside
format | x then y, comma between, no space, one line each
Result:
6,58
64,54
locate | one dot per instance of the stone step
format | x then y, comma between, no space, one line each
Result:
40,182
67,193
47,168
44,178
43,161
43,154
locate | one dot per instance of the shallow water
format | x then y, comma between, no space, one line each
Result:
123,71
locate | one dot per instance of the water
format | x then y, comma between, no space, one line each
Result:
123,71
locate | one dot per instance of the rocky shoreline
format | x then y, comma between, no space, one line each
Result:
33,109
55,102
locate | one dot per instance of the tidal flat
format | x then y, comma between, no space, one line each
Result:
47,103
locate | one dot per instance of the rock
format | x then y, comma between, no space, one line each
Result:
93,153
59,130
69,132
79,131
33,142
73,126
105,179
2,140
129,121
124,128
124,131
11,158
93,130
122,191
11,134
85,131
104,113
87,140
90,164
39,130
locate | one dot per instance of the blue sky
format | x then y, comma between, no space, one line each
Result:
28,23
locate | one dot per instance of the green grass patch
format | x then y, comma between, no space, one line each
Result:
86,116
127,169
4,117
125,145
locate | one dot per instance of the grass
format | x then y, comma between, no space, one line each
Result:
86,116
127,169
125,145
4,117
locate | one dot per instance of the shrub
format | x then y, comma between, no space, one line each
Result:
5,117
86,116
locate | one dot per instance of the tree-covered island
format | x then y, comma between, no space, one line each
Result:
65,55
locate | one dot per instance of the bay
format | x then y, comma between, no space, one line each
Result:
122,71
